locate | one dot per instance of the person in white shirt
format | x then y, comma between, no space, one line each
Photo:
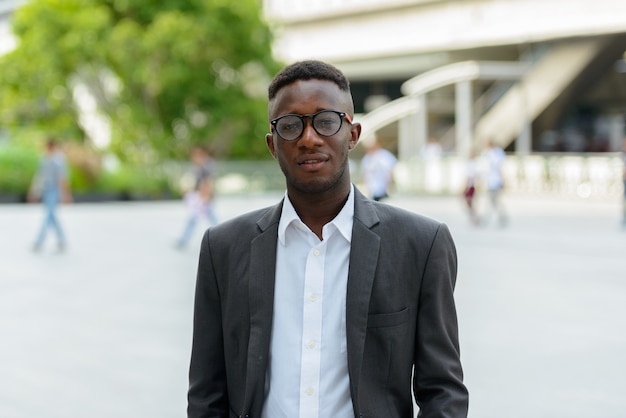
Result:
495,158
327,304
377,170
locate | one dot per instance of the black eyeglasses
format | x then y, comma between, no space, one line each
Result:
326,123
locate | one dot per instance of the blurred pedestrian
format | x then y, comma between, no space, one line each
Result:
326,304
624,180
495,158
432,151
470,187
377,170
203,164
199,200
51,186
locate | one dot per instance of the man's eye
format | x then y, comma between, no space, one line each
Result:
327,123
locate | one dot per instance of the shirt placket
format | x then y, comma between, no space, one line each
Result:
312,331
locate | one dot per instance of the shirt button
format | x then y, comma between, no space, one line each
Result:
316,252
313,297
311,344
309,391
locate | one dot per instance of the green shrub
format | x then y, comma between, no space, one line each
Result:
135,181
18,165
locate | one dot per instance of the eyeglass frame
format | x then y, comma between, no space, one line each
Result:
342,116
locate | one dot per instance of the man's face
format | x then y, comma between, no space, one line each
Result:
313,163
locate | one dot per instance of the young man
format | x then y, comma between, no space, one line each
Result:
327,304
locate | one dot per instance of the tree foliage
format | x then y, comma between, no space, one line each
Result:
165,74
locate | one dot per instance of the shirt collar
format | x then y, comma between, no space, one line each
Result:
343,221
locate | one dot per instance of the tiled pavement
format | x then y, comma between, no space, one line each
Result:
103,329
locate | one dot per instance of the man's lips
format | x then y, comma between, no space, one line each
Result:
312,162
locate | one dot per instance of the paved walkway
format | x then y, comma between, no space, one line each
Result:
103,330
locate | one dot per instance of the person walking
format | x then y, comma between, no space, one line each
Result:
326,304
495,158
624,180
469,192
200,200
51,186
377,170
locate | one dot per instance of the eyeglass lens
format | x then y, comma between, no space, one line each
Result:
325,123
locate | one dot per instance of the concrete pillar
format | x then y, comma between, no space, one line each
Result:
463,105
408,147
523,144
411,139
617,121
422,124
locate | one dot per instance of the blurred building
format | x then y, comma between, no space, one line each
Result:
533,75
7,40
545,79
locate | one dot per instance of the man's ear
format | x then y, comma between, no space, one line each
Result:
355,134
269,140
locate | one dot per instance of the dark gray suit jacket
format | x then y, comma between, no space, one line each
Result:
400,312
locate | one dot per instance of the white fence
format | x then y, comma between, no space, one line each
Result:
579,175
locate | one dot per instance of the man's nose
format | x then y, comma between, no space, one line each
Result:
310,138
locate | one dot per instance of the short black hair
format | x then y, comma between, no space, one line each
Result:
307,70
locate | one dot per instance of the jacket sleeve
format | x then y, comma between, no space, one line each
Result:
207,396
438,377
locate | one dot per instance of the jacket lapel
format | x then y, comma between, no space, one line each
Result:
261,298
363,261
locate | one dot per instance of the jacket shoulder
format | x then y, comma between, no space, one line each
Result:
246,225
403,219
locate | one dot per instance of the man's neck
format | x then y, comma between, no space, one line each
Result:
316,210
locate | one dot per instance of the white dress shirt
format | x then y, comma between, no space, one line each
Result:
307,373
